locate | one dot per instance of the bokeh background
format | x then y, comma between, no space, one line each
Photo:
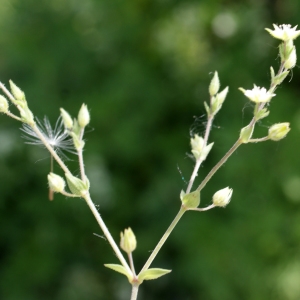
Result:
143,68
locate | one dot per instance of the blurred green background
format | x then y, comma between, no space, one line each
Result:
143,68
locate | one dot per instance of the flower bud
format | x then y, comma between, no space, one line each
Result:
197,144
17,92
222,197
68,122
246,134
214,85
279,131
56,183
218,100
78,143
191,200
76,185
260,114
26,115
83,116
3,104
292,59
128,241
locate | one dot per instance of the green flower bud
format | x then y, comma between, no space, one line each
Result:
214,85
191,200
246,134
222,197
279,78
26,115
68,122
218,100
292,59
56,183
17,92
262,113
78,143
76,185
279,131
128,241
83,116
3,104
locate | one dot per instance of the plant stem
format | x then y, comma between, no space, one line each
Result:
134,291
7,92
81,164
218,165
13,116
263,139
80,156
106,232
131,263
204,208
163,239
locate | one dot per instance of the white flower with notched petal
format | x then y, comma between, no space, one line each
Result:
257,94
284,32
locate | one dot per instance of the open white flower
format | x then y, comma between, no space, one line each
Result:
284,32
257,94
58,137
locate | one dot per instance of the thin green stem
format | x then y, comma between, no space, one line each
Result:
203,209
263,139
7,92
106,232
218,165
134,291
8,113
81,164
163,239
130,258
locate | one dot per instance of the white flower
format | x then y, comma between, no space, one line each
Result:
284,32
58,137
258,94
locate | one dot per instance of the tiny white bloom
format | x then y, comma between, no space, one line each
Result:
258,94
58,137
284,32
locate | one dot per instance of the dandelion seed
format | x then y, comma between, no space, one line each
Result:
58,137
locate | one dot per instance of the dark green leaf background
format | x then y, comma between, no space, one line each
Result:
143,68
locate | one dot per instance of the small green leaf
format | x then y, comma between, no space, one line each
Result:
120,269
207,108
151,274
191,200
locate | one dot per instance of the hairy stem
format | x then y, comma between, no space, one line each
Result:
134,291
218,165
131,263
163,239
106,232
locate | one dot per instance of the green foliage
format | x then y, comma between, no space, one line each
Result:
143,69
